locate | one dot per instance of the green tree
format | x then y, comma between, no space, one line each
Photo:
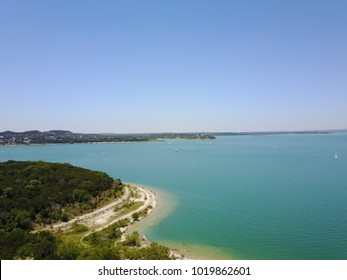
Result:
135,216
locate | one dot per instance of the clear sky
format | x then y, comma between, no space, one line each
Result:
173,66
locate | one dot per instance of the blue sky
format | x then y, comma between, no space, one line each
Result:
173,66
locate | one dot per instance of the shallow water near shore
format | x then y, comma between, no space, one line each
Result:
265,197
166,204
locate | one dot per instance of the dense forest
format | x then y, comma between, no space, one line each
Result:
36,194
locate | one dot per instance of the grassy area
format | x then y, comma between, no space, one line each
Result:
74,234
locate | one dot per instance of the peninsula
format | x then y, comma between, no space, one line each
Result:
59,211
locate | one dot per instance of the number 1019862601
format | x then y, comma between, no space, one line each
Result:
215,270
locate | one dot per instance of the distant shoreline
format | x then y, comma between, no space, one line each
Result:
68,137
93,143
54,137
229,134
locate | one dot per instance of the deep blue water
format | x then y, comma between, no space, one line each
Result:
256,197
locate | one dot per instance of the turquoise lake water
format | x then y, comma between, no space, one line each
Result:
254,197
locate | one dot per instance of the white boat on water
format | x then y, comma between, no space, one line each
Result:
176,150
336,156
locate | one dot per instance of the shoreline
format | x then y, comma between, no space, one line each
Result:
147,197
166,204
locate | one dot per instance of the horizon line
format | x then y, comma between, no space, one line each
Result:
189,132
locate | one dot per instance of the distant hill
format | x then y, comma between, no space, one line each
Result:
31,133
